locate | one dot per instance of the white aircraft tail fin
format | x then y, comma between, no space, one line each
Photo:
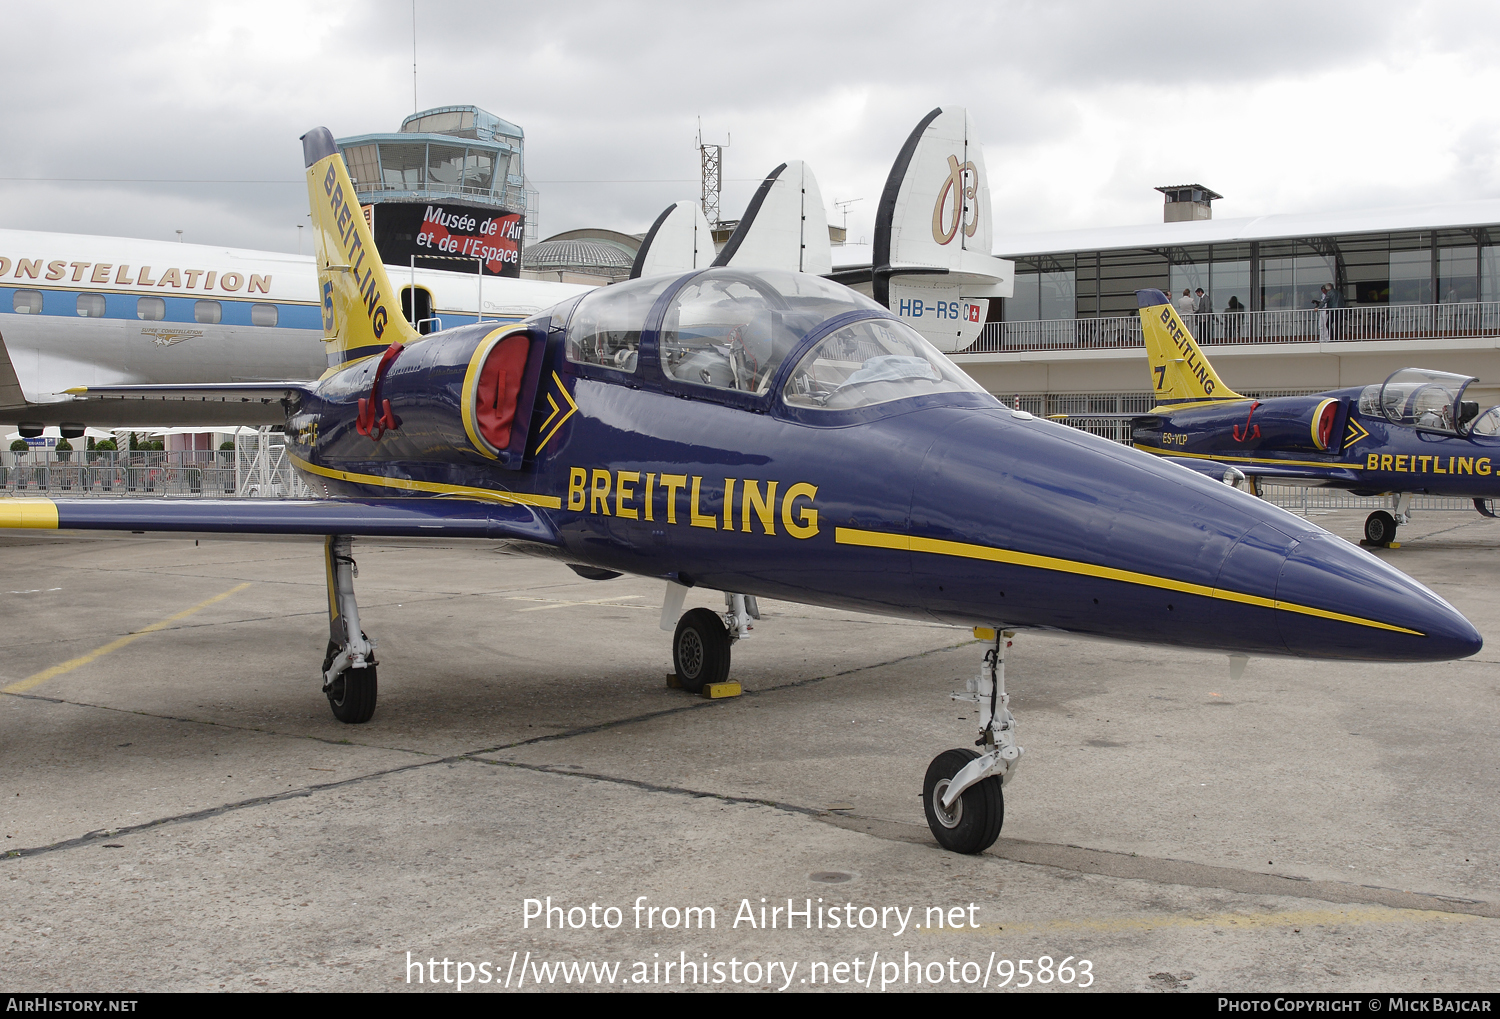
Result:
679,241
931,261
785,225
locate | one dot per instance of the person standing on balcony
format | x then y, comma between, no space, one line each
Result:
1334,301
1321,304
1236,316
1186,305
1203,311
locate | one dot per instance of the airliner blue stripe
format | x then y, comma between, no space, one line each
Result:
235,311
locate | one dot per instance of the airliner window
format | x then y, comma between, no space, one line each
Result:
208,312
731,328
870,362
263,314
606,326
90,305
26,302
150,309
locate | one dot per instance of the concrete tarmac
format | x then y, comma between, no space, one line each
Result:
181,811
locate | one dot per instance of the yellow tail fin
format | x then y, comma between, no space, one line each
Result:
1180,374
361,310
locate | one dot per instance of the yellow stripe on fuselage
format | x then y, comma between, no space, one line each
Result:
40,514
936,546
431,487
1239,459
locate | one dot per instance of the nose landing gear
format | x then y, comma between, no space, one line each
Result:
962,794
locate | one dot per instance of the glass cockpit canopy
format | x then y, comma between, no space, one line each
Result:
1419,398
731,329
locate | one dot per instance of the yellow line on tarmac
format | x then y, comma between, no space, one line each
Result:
31,682
1222,921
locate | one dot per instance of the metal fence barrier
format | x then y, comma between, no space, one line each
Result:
252,470
1303,325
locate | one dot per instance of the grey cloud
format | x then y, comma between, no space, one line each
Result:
613,91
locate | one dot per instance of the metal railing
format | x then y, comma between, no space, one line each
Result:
251,470
1301,499
514,198
1303,325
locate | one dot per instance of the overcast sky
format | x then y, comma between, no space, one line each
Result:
1083,107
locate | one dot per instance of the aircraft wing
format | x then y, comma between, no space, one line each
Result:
283,518
271,392
229,403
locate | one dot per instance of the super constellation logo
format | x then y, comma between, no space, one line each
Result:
963,202
354,246
110,274
637,495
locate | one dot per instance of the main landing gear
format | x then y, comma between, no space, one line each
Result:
349,666
1380,526
702,638
962,793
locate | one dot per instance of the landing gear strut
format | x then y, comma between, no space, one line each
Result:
349,677
962,793
701,641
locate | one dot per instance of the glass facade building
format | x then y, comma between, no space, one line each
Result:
1442,264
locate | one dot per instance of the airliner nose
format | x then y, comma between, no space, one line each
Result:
1392,616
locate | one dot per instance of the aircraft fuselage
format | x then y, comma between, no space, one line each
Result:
948,507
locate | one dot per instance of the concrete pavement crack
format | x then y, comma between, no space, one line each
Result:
471,756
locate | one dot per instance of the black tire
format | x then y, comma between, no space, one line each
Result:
975,822
352,695
700,650
1380,528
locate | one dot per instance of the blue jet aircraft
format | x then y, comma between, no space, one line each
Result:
768,433
1412,434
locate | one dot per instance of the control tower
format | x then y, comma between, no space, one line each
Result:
446,191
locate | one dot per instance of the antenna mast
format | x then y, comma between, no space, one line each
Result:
711,163
843,207
414,56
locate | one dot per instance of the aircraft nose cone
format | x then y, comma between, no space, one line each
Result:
1391,616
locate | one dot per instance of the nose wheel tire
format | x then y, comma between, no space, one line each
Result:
700,650
1380,528
973,823
352,695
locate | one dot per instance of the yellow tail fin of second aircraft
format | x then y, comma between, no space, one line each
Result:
1180,374
361,310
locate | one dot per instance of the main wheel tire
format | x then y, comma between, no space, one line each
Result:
1380,528
973,825
700,650
352,695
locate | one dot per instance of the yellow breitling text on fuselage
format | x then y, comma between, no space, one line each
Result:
750,505
1412,464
